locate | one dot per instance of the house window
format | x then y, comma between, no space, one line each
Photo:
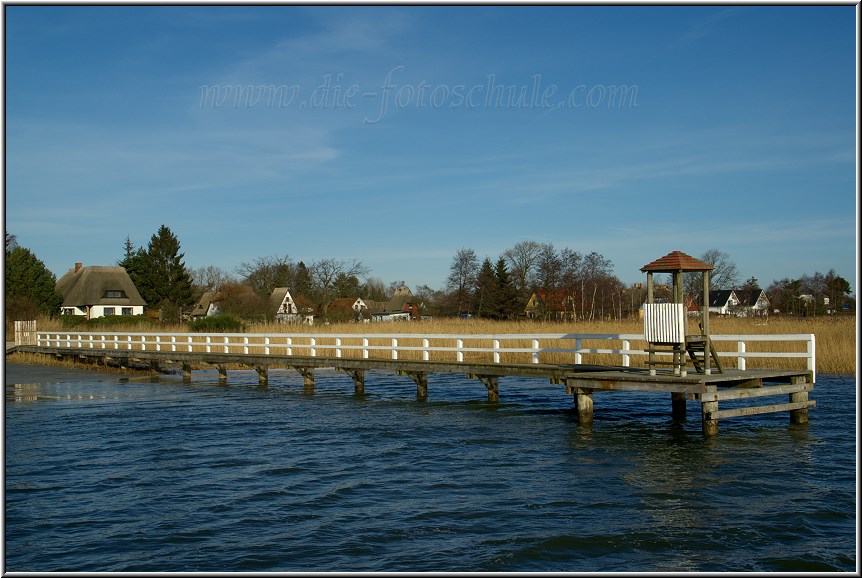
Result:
127,310
68,311
114,294
110,311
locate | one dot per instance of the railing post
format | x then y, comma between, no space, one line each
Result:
425,353
459,344
578,345
68,340
313,350
266,345
812,360
209,343
496,351
289,348
143,343
226,346
535,351
130,342
245,344
158,342
364,348
102,339
394,348
190,343
337,347
740,359
626,356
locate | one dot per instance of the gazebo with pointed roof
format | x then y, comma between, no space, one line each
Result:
676,263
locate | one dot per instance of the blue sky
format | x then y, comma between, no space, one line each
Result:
397,135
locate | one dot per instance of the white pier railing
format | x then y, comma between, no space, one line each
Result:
556,348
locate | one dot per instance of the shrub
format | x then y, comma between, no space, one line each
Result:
219,323
112,322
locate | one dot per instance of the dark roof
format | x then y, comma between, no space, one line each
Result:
677,261
748,297
719,297
87,286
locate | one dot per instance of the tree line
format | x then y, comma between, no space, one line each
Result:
569,284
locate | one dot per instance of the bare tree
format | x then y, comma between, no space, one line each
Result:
326,272
549,268
210,278
264,274
462,277
522,258
723,276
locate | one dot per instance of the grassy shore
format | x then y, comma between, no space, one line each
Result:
835,336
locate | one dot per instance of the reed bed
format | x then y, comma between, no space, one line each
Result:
835,339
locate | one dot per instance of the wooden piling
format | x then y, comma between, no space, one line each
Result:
710,422
358,377
307,374
187,371
800,415
678,406
262,374
491,383
584,401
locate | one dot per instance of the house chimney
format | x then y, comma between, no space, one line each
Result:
78,267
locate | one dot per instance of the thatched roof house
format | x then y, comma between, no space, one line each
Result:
98,292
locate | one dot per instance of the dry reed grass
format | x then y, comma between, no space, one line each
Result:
835,337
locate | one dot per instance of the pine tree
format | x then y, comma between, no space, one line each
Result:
486,294
162,277
29,284
506,296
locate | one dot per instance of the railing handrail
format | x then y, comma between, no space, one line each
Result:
125,340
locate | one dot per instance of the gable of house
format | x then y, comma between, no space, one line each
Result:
207,305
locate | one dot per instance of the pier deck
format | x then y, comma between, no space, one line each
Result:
303,354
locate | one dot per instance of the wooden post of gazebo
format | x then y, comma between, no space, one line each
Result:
665,324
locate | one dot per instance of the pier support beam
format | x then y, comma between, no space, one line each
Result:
584,401
262,374
307,374
222,373
491,382
187,371
710,424
154,365
678,406
358,377
421,379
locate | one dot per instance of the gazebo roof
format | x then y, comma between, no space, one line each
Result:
677,261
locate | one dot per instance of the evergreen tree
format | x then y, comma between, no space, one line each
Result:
163,275
486,294
506,293
29,284
302,285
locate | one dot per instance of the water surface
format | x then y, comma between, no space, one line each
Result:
111,473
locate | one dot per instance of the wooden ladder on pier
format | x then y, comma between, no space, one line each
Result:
695,345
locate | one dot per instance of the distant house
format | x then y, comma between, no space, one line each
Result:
551,305
290,309
348,307
98,291
738,302
401,307
722,301
206,306
752,302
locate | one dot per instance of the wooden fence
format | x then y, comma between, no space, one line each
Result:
547,348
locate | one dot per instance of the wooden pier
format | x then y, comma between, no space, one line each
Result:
558,358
